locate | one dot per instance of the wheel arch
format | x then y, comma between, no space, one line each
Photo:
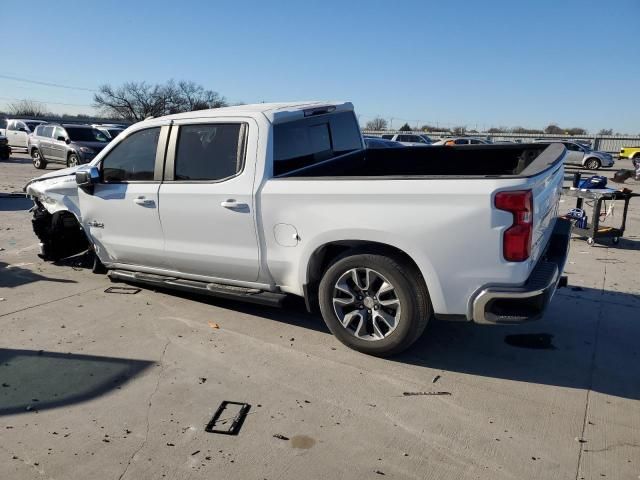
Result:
324,255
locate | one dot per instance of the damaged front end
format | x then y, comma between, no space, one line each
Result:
56,214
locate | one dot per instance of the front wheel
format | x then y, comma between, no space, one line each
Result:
592,164
375,304
72,161
38,162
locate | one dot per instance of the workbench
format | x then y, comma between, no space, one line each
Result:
593,230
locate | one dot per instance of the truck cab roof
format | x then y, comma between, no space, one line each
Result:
274,112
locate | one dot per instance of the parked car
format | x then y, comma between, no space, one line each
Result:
5,149
409,139
65,143
377,142
630,152
18,131
260,201
111,130
579,154
462,141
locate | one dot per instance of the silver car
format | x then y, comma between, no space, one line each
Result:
580,154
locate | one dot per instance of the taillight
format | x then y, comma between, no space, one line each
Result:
516,244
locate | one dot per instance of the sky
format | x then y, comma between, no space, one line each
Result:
477,64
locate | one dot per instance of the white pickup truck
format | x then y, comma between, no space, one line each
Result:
258,201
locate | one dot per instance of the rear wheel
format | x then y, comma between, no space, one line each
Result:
375,304
38,162
592,164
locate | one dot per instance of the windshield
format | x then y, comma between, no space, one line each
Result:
32,125
114,132
80,134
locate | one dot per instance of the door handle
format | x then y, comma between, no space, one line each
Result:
233,205
145,202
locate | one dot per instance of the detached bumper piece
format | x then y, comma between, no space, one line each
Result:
513,305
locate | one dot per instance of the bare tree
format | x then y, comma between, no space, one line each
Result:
28,108
135,101
194,97
461,130
606,131
377,123
576,131
553,129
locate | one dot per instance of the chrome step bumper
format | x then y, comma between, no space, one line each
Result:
504,305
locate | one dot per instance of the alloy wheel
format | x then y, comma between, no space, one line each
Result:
366,304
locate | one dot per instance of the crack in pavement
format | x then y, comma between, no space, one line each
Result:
50,301
150,402
592,369
615,445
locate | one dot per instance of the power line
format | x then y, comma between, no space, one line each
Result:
48,84
46,102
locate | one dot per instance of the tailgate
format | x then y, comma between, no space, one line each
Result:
547,189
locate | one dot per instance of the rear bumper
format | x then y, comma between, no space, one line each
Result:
505,305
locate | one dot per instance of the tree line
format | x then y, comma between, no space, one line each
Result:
379,123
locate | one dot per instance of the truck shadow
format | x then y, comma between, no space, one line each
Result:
38,380
587,340
14,276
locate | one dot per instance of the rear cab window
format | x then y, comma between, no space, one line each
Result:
209,152
305,142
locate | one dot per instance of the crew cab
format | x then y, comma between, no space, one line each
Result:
260,201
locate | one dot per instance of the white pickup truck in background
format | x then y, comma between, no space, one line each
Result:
258,201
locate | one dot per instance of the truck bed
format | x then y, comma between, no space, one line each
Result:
519,160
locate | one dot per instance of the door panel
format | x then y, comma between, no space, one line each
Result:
122,219
58,148
209,223
121,214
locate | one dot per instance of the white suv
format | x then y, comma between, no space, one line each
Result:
409,139
18,131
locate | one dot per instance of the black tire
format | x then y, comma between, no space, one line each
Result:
38,161
409,288
593,164
73,160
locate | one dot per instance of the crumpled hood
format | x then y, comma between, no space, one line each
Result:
56,190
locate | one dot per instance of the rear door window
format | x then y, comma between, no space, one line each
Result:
209,152
305,142
133,159
47,132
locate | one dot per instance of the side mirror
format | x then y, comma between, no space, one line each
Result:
60,138
87,178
